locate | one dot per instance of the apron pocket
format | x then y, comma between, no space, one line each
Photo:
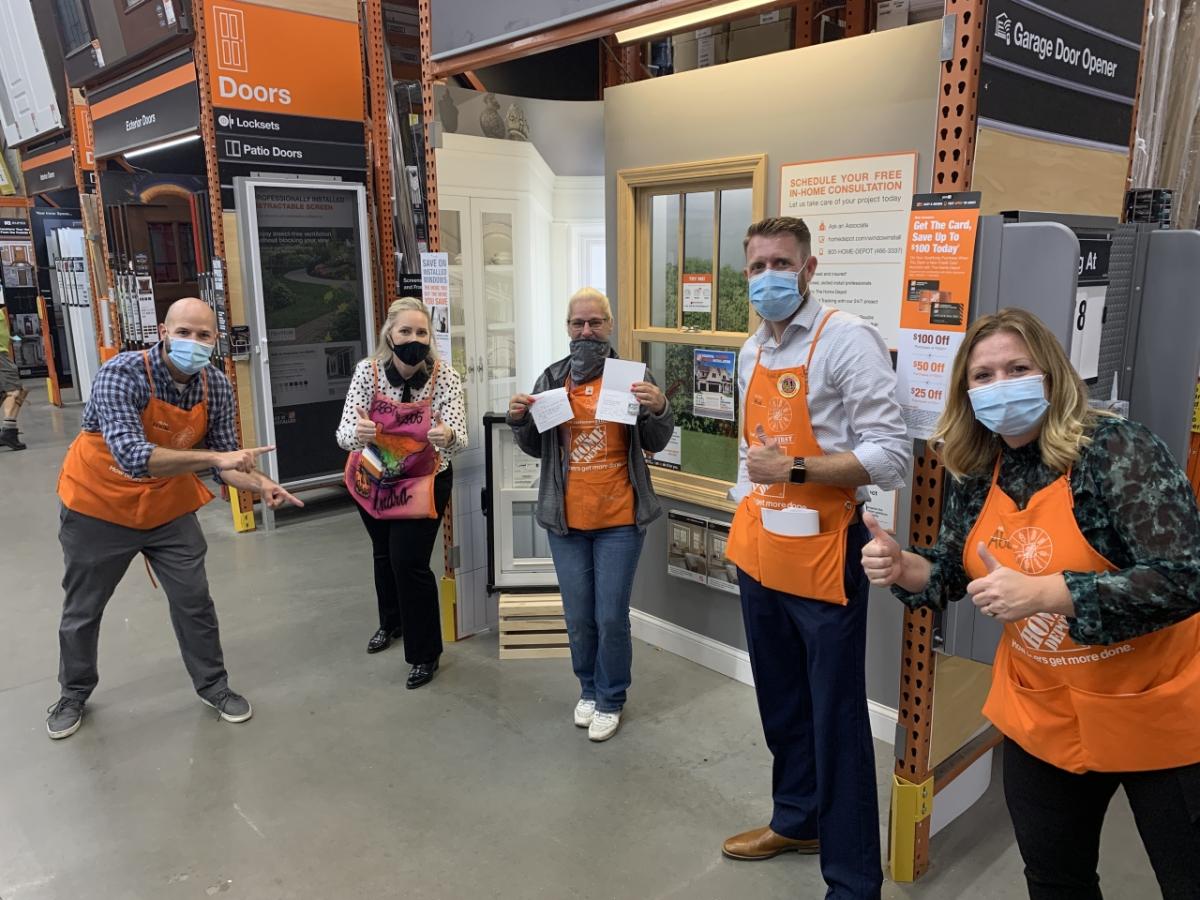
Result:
1041,720
1154,729
812,566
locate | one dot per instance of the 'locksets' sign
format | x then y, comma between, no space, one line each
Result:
287,91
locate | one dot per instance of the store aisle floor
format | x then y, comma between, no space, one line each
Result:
345,785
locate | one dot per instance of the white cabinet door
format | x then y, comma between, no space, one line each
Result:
500,263
478,236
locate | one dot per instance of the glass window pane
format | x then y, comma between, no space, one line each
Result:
703,394
733,307
164,260
664,260
72,25
698,258
452,244
498,302
187,251
529,538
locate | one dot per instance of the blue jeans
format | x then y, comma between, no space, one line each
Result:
595,576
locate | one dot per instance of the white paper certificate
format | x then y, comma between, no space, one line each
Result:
617,403
551,408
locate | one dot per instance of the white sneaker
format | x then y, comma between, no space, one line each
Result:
584,710
604,725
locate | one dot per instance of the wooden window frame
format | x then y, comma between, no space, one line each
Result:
634,187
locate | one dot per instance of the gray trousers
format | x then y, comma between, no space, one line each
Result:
96,554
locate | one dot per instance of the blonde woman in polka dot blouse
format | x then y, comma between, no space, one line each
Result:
405,587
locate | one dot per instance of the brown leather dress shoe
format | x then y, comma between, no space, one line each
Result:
763,843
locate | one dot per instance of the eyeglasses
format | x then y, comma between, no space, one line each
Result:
594,324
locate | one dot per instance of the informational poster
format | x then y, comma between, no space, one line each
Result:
857,210
1088,321
722,574
688,546
435,290
16,253
882,505
936,303
697,293
714,384
526,471
314,309
670,456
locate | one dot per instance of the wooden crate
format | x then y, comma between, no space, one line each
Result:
532,627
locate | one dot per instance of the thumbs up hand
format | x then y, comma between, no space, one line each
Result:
441,435
766,463
881,556
1004,593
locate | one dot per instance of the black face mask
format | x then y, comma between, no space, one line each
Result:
587,358
412,353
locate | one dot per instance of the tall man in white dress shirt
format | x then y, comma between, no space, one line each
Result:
820,422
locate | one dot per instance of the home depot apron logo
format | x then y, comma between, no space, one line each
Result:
1031,546
588,444
779,415
1046,632
185,438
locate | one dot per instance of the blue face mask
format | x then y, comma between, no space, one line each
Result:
775,295
1012,406
189,357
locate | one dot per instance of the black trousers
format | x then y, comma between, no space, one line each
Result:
405,588
1057,816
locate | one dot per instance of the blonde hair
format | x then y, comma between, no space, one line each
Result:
589,293
404,304
969,448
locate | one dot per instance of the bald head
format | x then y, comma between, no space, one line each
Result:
190,318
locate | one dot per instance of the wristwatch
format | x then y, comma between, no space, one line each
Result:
799,470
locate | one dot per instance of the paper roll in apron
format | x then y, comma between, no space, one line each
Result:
792,521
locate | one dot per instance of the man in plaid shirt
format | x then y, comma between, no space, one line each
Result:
128,486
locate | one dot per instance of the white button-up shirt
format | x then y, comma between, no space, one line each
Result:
851,392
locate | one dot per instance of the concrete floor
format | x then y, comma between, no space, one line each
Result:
345,785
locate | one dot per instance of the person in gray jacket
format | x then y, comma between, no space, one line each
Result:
595,501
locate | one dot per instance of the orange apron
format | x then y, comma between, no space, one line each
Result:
91,482
1128,707
814,566
599,493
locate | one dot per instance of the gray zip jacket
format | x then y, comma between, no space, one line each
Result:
651,434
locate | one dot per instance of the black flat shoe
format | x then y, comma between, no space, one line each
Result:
382,639
421,673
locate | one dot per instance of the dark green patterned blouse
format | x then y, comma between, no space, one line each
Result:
1135,507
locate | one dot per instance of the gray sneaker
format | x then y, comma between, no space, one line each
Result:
232,707
65,718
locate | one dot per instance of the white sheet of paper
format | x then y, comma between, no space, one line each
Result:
551,408
617,403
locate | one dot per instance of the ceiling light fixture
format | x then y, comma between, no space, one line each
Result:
688,20
164,145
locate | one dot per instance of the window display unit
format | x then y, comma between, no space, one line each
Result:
684,309
518,549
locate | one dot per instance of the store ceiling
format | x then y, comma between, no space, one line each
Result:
569,73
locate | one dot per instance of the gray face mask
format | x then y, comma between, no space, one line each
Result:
587,359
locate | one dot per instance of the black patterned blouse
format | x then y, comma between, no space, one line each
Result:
1135,507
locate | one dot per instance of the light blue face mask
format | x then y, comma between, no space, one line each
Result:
775,295
1011,406
189,357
